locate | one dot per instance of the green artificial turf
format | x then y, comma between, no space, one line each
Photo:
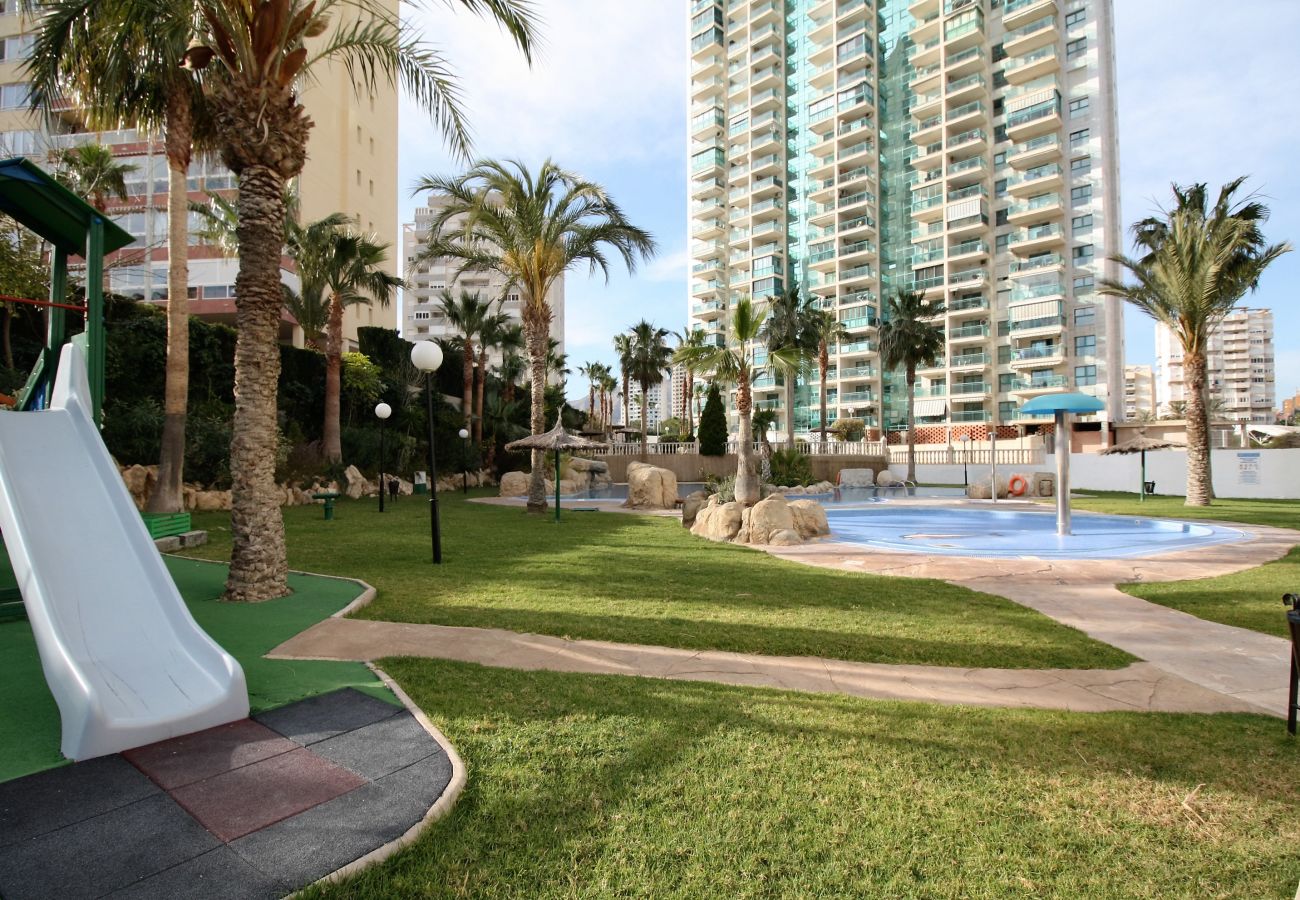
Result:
29,718
646,580
584,786
1278,513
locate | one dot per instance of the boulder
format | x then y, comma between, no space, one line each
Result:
809,519
764,519
356,482
981,490
650,487
209,501
579,464
514,484
691,506
785,539
718,521
887,478
857,477
136,479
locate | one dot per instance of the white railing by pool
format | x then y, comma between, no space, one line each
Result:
812,448
955,456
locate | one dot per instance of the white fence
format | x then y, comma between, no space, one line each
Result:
812,448
955,456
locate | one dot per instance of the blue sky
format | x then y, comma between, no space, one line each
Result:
1206,92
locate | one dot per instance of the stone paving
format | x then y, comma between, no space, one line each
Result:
256,808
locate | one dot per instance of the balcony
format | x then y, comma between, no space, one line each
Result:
925,131
1036,180
969,415
1035,120
710,309
856,272
1036,264
710,161
1033,34
923,75
1040,326
972,140
1037,355
859,323
1022,69
857,397
1035,152
1038,384
967,250
966,62
924,54
969,361
1046,288
967,278
850,373
1040,207
1037,239
965,388
964,30
976,331
965,88
857,248
1019,12
704,88
967,171
848,348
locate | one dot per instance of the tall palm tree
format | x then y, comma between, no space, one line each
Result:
468,314
532,227
909,342
827,330
608,389
591,372
338,268
623,350
689,338
119,62
1196,262
789,328
495,332
92,172
253,56
308,246
734,364
651,355
557,363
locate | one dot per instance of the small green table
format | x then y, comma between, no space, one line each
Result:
329,497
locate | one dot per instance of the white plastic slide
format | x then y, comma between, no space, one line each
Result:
126,662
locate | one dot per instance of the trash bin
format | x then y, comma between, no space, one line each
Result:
421,483
1150,486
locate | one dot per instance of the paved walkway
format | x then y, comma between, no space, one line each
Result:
257,808
1138,687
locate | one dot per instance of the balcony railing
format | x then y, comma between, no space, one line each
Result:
1037,291
969,359
1034,263
966,331
1049,351
1038,231
1041,322
971,415
969,387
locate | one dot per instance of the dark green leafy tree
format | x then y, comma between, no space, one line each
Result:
651,357
713,425
909,340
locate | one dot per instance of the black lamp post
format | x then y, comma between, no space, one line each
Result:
427,357
464,466
965,443
382,412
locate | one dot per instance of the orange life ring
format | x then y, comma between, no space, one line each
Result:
1017,486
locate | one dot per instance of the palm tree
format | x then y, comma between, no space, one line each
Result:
92,172
1197,261
608,389
827,330
689,338
789,328
591,371
495,332
253,56
531,227
763,421
557,363
734,364
623,350
910,342
650,357
468,315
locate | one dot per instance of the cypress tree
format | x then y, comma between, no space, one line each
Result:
713,425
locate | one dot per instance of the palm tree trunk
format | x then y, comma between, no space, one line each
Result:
1198,432
258,566
467,382
686,402
627,396
911,424
167,496
478,399
331,432
591,402
789,408
535,339
823,364
645,444
747,486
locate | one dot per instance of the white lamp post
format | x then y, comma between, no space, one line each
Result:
427,357
382,412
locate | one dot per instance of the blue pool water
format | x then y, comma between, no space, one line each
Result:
841,496
995,533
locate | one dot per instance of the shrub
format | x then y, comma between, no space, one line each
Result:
849,430
713,425
725,488
790,468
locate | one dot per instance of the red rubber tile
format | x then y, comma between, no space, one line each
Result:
203,754
245,800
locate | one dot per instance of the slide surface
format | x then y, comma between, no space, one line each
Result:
126,662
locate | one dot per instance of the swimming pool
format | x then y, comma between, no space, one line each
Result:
840,496
948,531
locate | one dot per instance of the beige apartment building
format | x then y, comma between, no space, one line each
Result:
1239,365
965,149
1139,393
422,316
351,168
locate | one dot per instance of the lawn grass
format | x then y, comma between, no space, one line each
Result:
29,719
604,786
646,580
1278,513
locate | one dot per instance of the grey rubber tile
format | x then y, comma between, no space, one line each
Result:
220,874
99,855
379,749
52,799
312,845
319,718
193,757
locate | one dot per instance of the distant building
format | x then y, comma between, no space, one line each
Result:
659,403
1239,367
1290,407
422,316
1139,393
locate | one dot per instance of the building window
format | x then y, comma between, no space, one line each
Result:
1085,345
1085,375
358,178
1079,137
1081,195
1081,165
1078,107
1000,217
1002,241
13,96
1085,315
1084,284
422,316
1081,223
1078,17
1075,49
1004,354
999,159
1083,254
1000,188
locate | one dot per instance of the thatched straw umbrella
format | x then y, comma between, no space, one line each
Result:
1140,443
557,439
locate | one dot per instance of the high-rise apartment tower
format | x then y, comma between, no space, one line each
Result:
1239,367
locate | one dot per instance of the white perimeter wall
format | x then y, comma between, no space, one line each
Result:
1256,474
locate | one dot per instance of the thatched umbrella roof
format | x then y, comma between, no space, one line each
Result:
555,439
1141,443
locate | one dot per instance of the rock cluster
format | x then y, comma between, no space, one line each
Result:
650,487
579,476
887,478
821,487
773,521
851,478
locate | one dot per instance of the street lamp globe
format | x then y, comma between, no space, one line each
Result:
383,411
426,356
464,433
